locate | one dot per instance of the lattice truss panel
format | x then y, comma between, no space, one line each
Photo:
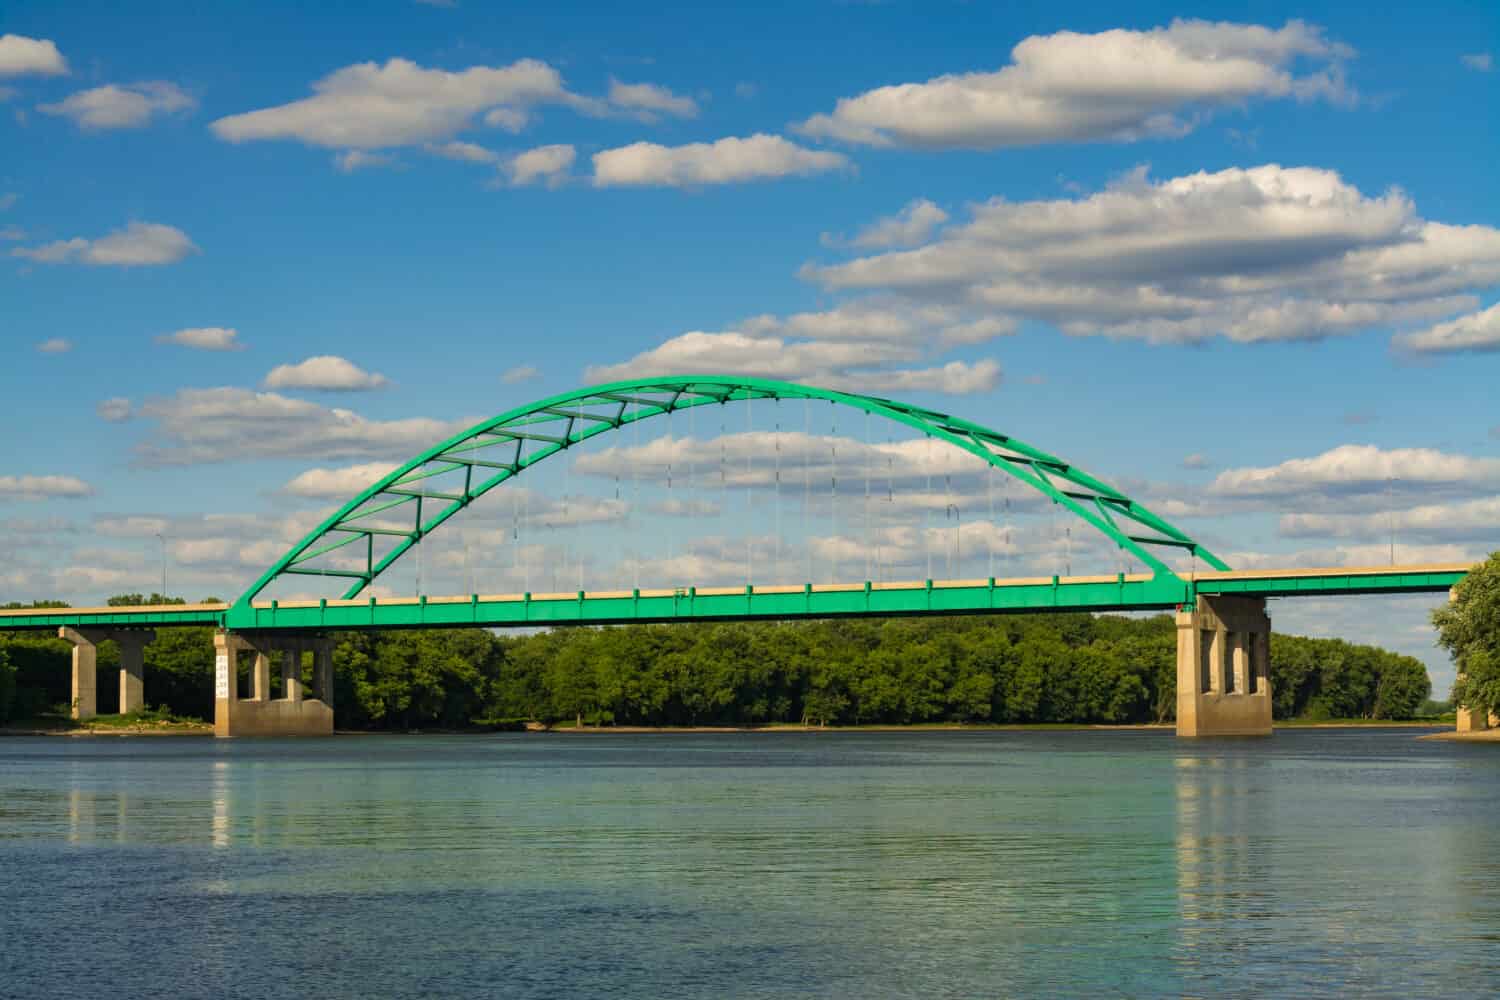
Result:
363,539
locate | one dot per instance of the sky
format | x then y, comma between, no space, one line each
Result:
1243,264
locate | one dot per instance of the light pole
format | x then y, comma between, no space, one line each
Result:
1390,502
952,511
160,537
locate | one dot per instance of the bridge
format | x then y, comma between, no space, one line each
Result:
1223,630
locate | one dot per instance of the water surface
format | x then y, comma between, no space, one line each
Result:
928,864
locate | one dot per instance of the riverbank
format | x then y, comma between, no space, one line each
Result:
135,724
1483,736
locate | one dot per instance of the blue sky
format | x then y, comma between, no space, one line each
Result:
1245,266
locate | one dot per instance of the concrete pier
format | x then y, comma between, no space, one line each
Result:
293,714
132,644
1224,668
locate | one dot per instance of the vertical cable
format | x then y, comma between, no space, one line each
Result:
989,490
927,510
749,527
776,510
868,456
833,492
635,494
807,481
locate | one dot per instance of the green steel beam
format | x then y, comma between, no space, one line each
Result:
1096,594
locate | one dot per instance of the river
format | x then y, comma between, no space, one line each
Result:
931,864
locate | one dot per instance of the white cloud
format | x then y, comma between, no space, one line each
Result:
55,345
129,105
1471,521
509,119
327,372
373,106
1359,468
43,487
544,163
870,367
337,484
1118,85
351,160
1478,331
115,410
1261,254
912,225
224,424
648,100
521,373
727,161
1196,461
21,55
1480,62
204,338
467,152
139,244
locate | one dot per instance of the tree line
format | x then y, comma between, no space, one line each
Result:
1045,668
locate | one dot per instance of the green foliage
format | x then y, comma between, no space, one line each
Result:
136,600
22,606
1469,629
1058,668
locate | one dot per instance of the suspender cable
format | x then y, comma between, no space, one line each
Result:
749,529
635,493
776,509
807,481
833,491
671,443
723,491
989,490
868,456
927,510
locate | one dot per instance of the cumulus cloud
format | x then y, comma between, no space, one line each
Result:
20,55
351,160
370,106
648,101
327,372
204,338
1472,521
224,424
139,244
1268,253
1479,62
128,105
851,365
549,164
55,345
43,488
337,484
115,410
727,161
1118,85
912,225
1359,468
520,373
1478,331
467,152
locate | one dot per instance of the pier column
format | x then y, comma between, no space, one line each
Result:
85,672
323,669
260,677
86,667
133,668
291,673
1224,668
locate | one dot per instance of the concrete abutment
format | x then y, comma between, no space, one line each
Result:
293,714
1224,667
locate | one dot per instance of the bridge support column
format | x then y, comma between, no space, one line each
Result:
1224,668
289,715
132,643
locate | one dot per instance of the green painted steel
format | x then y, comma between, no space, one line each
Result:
164,616
496,451
1140,593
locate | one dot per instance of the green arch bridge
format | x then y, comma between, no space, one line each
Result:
1223,683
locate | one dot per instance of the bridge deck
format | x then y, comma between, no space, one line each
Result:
1121,592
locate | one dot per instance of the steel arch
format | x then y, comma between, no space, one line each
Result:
587,414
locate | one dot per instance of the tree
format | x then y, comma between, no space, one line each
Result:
1469,629
7,686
